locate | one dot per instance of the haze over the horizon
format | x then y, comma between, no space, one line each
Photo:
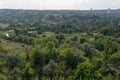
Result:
59,4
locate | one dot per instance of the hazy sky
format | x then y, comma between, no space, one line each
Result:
59,4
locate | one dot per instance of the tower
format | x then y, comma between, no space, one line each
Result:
108,11
91,9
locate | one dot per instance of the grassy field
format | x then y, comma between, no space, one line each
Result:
4,25
12,46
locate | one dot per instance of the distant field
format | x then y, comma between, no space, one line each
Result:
12,46
4,25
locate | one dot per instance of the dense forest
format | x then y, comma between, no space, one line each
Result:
59,44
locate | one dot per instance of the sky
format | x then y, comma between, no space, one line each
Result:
59,4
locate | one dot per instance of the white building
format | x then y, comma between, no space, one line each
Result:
7,35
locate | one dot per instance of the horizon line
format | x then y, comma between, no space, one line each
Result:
57,9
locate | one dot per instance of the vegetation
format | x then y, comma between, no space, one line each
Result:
59,45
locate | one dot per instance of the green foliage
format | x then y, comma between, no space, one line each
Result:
3,77
50,69
109,47
109,77
60,37
1,65
14,74
37,56
59,45
27,72
115,59
88,49
1,49
84,70
82,40
98,45
13,60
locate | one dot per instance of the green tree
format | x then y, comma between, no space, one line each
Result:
27,72
108,46
50,69
69,56
60,37
3,77
37,60
98,45
14,74
49,52
82,40
115,60
88,49
84,71
13,60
